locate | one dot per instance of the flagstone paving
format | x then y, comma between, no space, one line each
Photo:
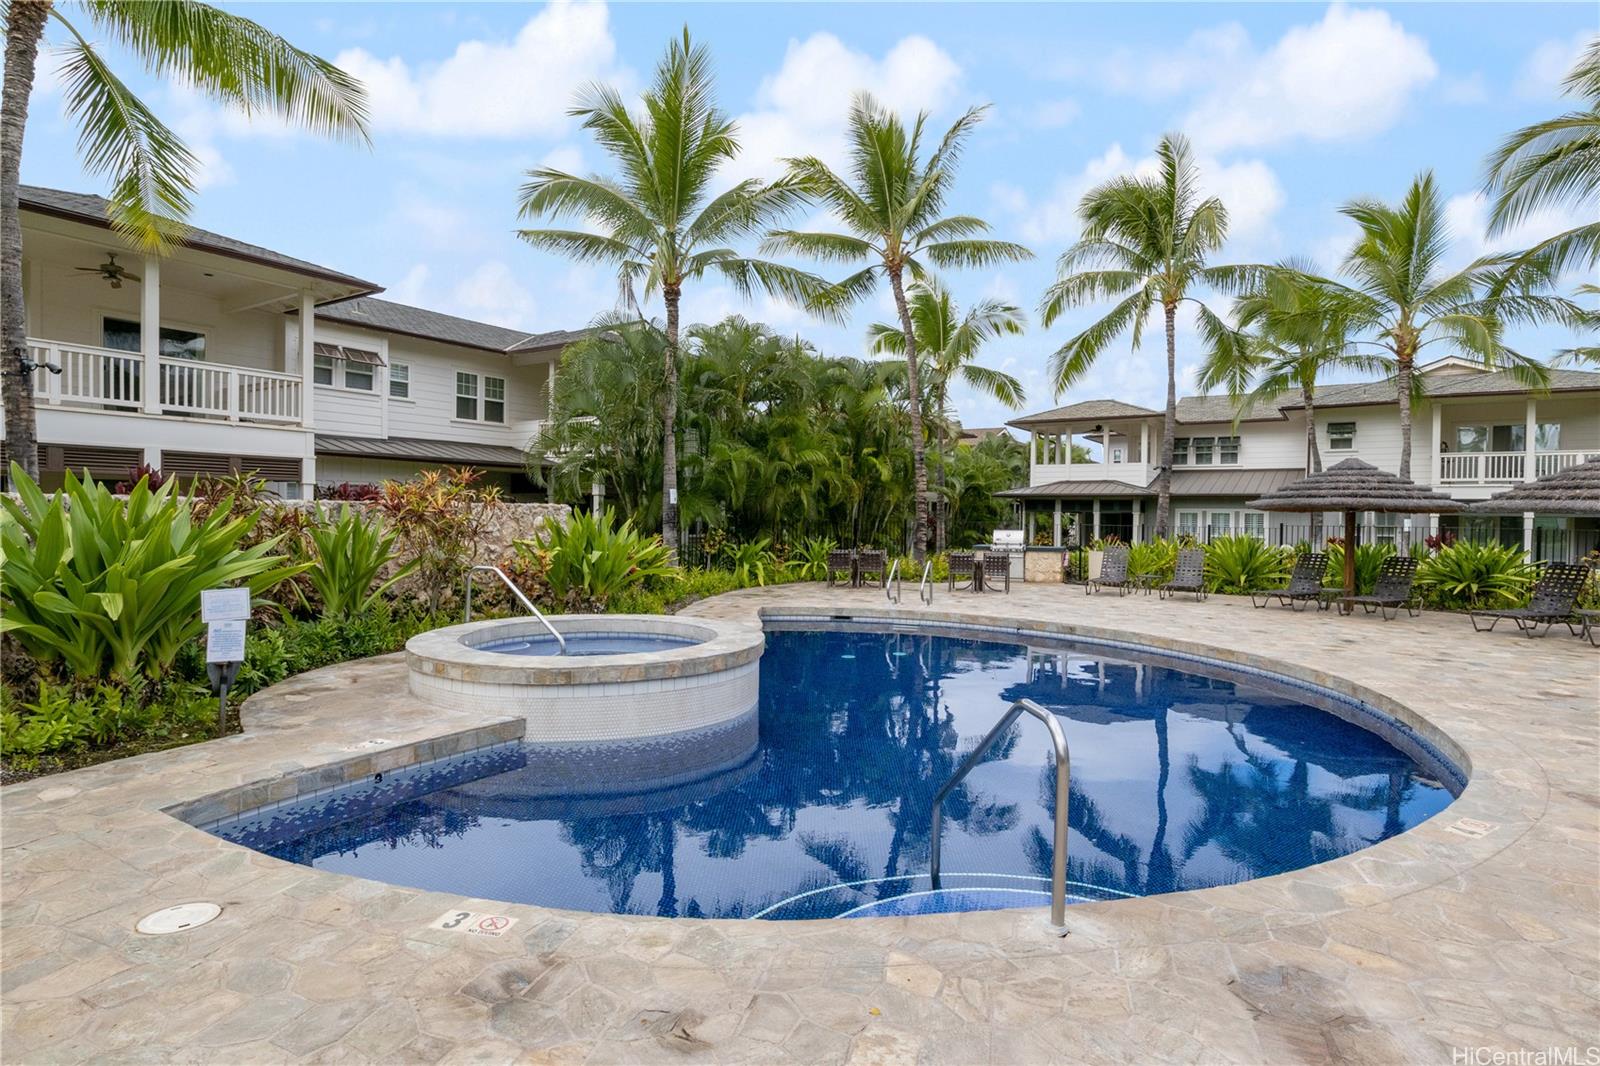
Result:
1430,941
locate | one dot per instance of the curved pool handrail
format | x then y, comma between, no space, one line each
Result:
891,584
925,587
561,641
1058,866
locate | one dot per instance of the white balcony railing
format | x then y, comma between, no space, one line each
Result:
109,379
1493,468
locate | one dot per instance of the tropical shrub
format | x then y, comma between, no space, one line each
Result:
349,555
751,562
673,593
353,491
1241,564
1156,559
809,560
142,472
1369,557
588,560
107,588
439,518
58,722
1465,575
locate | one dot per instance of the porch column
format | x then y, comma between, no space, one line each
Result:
150,333
1033,454
1527,535
1144,443
1530,471
1105,449
1438,441
1057,525
1097,518
1138,521
1066,438
308,356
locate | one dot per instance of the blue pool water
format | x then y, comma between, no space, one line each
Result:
589,644
1183,776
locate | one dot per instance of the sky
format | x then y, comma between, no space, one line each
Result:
1293,109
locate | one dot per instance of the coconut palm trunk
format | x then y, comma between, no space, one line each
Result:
919,464
25,21
1169,426
669,426
1404,366
1313,459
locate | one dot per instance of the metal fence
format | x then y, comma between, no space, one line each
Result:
1550,544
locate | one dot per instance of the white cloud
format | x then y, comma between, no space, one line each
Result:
1544,69
411,289
801,109
493,293
1348,76
436,224
494,88
1204,57
1053,114
1248,188
1467,217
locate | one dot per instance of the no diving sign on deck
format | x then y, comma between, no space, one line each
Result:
473,923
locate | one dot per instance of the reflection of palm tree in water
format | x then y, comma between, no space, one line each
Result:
1263,824
618,849
1391,796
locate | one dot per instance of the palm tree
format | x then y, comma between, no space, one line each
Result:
1552,163
1148,241
948,344
891,202
1401,299
153,173
1291,334
658,220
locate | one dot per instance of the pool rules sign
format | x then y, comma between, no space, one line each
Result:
226,613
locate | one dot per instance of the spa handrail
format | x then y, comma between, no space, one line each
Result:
1058,740
891,584
561,641
925,587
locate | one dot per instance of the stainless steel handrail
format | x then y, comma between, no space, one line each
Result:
512,585
925,587
1058,739
891,584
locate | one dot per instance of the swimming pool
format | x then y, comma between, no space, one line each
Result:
1184,775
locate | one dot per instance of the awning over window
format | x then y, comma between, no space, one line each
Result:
348,354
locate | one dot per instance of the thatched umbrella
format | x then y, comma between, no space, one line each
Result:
1353,486
1573,491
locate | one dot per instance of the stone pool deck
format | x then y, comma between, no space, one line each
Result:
1457,934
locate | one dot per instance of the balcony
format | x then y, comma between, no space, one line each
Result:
108,379
1505,468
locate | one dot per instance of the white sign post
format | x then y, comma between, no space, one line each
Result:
226,613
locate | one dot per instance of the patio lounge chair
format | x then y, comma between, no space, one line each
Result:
1392,590
1305,583
873,561
1113,572
1587,622
1555,595
1190,575
996,572
841,568
961,575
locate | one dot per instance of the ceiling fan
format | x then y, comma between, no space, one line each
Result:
111,271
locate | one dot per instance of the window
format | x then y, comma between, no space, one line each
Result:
358,376
1385,528
1220,523
322,369
1341,436
1255,524
1228,450
1512,437
123,335
1202,450
494,399
1188,522
466,396
400,381
1180,451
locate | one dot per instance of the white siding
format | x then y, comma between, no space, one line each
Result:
1262,445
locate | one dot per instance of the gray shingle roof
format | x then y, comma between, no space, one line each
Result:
85,207
391,317
1086,409
428,451
1193,409
1495,383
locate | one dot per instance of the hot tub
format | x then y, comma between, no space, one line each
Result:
623,677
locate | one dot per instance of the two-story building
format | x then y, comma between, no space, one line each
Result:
1479,432
196,362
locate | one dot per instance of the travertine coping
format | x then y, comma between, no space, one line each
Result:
452,652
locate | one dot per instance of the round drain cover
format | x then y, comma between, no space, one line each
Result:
177,919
